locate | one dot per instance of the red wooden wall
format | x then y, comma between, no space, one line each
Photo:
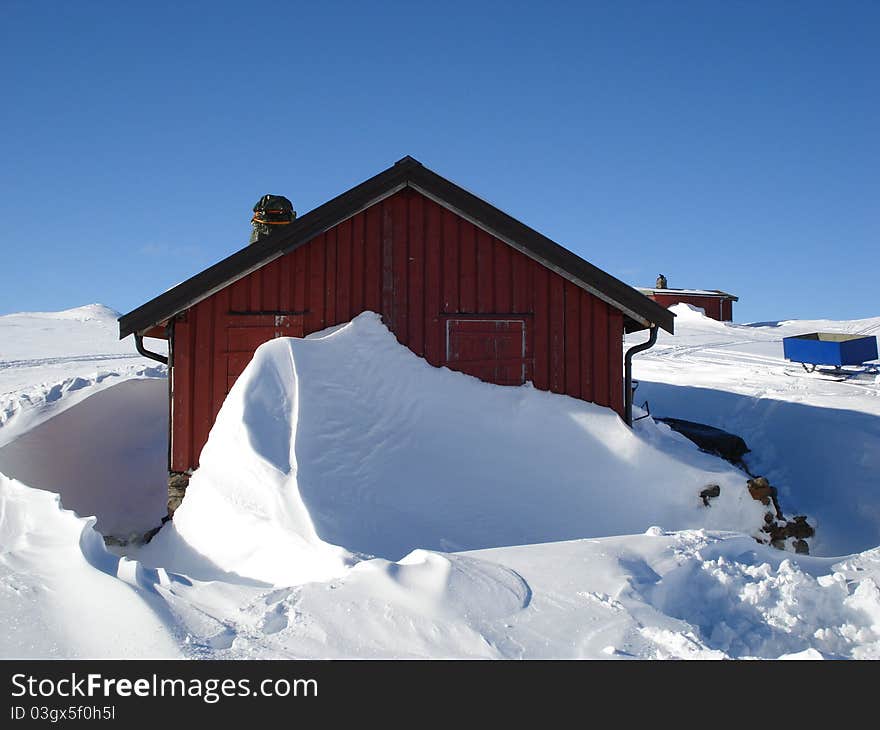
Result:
416,263
715,307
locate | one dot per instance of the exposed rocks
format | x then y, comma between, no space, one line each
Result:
778,529
177,484
710,492
762,491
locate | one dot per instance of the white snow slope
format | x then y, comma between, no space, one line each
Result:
343,446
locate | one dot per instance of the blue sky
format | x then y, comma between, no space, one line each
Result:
726,145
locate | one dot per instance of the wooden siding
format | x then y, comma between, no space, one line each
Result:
715,307
417,264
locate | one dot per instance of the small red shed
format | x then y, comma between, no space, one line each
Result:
717,304
458,281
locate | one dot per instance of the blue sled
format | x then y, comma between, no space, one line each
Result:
830,348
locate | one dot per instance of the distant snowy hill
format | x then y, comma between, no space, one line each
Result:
345,445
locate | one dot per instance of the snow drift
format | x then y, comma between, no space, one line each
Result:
59,591
347,443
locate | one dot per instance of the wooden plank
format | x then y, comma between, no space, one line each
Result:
330,272
415,308
503,277
343,271
373,259
615,359
485,272
433,275
357,264
255,282
399,299
557,333
522,299
541,377
572,340
300,279
182,377
601,394
467,262
316,317
238,295
285,286
218,374
586,302
450,244
202,366
388,264
271,285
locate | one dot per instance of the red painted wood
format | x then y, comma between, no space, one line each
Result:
715,307
271,285
343,285
218,386
433,275
542,328
615,359
330,276
587,344
357,264
467,267
572,340
203,417
419,265
600,353
451,272
557,334
300,279
181,384
373,259
503,289
255,287
315,319
415,305
485,273
400,267
388,264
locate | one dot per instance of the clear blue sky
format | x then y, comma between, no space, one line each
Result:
730,145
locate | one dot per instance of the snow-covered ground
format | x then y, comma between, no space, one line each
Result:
355,502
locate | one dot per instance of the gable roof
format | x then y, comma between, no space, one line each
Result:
640,312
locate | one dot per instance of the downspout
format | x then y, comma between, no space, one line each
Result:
139,346
628,375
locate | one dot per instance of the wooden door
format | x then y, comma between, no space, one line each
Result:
491,349
244,333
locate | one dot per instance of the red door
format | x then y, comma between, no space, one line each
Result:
246,332
491,349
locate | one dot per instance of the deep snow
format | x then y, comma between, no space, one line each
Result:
350,439
249,569
817,441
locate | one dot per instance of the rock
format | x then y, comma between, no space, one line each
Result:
177,484
710,492
800,546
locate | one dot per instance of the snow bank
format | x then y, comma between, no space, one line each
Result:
683,595
59,595
815,440
346,438
105,456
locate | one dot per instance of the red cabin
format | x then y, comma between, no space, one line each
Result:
715,303
458,281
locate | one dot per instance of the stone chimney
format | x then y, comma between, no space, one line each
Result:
269,212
